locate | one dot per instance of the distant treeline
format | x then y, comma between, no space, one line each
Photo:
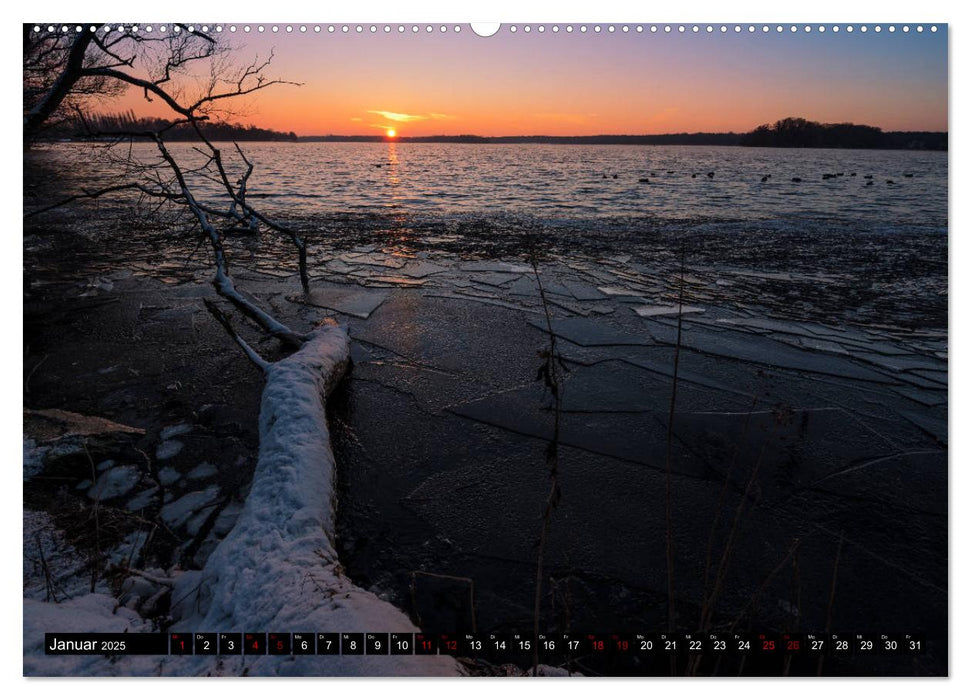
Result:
785,133
104,125
699,139
794,132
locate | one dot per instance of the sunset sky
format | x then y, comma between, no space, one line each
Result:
580,84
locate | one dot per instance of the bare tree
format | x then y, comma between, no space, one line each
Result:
195,79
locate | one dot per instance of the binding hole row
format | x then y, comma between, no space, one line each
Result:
513,28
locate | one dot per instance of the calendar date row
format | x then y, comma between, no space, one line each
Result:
474,645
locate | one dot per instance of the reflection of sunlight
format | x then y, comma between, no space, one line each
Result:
401,235
394,181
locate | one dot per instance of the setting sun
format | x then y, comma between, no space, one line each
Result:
391,133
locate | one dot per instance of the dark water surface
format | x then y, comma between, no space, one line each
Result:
578,182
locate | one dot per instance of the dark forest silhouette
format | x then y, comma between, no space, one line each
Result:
795,132
791,132
127,122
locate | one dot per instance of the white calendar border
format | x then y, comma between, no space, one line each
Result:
603,11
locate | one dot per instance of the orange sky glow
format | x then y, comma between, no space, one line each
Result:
517,84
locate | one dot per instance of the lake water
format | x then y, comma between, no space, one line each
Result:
557,182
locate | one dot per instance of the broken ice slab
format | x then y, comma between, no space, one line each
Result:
276,271
746,347
496,279
590,332
620,291
482,300
602,309
477,292
421,269
394,281
899,363
439,240
494,266
769,324
573,308
382,261
526,287
862,344
338,265
582,291
818,344
850,340
352,300
648,311
774,276
675,279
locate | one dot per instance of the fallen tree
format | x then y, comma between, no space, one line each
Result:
278,568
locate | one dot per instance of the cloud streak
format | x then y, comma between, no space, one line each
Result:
402,117
398,116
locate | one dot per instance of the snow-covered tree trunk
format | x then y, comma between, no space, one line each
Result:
277,570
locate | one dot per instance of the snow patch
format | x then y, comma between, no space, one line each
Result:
168,449
203,471
143,499
175,514
168,476
115,482
94,611
171,431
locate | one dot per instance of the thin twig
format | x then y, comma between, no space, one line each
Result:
765,583
832,599
224,321
549,372
668,525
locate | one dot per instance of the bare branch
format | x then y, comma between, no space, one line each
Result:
222,282
228,326
94,194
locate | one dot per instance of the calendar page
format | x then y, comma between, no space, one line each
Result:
520,349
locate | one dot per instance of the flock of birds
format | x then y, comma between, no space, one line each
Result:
765,178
